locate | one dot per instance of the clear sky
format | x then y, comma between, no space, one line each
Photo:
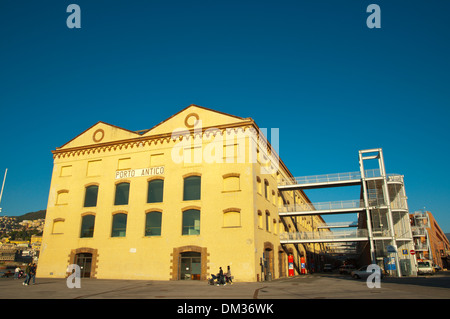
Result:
313,69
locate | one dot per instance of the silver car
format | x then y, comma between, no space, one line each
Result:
362,273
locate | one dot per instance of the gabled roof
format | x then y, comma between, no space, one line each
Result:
187,117
100,132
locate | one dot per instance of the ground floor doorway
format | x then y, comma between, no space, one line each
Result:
189,263
190,266
84,261
87,259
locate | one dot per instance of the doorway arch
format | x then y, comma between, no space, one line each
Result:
269,273
86,258
193,257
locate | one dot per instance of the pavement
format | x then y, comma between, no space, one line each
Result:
316,286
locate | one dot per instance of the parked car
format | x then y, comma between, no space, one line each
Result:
346,269
362,273
425,267
327,267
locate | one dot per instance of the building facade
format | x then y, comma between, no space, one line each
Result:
430,242
194,193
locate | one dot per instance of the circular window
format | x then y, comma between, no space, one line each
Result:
98,135
191,120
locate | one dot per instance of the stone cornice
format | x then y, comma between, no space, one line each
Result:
154,139
248,124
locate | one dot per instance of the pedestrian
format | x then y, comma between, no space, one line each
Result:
27,275
33,274
221,280
228,276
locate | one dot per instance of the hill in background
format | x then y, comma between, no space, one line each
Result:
31,216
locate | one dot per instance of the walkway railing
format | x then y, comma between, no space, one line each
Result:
329,178
321,178
325,236
339,205
338,224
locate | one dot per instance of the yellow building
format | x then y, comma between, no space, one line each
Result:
194,193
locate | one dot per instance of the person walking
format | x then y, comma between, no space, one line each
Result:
221,280
33,274
228,276
27,275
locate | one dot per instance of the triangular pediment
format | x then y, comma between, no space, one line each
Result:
194,117
100,133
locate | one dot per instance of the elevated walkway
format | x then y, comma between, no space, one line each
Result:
337,207
324,237
335,180
321,181
338,225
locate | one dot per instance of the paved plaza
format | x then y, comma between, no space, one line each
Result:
317,286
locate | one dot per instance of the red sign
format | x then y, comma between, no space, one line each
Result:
291,265
303,265
412,252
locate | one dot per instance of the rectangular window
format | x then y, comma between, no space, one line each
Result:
66,171
124,163
87,226
153,224
157,159
192,156
93,168
191,222
119,226
155,191
230,152
192,188
122,194
90,197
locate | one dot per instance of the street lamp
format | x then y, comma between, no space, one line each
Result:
3,185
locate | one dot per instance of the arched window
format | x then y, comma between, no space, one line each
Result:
232,217
192,188
62,197
122,194
155,191
87,226
260,220
119,225
191,222
90,197
153,224
267,220
266,189
58,226
231,182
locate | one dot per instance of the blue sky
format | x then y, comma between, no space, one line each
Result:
313,69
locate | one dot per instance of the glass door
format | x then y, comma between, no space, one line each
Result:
190,266
84,260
